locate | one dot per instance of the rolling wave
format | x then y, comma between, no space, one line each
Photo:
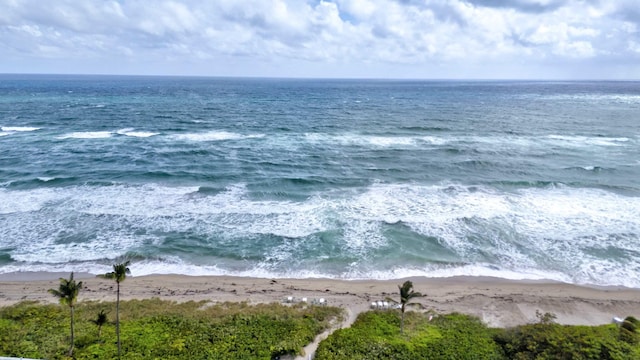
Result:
536,224
350,179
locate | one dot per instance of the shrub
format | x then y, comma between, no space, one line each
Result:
164,330
374,335
553,341
629,330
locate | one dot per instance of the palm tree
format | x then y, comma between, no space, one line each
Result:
67,292
100,320
406,295
119,274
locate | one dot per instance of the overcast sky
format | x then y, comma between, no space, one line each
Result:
486,39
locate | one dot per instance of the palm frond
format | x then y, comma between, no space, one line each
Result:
119,273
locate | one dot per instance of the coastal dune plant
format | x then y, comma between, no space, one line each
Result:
119,274
374,335
629,330
99,321
406,296
160,329
67,293
554,341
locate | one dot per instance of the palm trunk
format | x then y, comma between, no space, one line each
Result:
402,320
118,318
71,348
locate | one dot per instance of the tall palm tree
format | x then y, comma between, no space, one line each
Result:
406,296
119,274
67,292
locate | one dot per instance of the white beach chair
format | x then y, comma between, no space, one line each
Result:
322,301
380,304
385,304
374,305
304,299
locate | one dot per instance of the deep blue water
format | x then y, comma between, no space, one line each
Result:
334,178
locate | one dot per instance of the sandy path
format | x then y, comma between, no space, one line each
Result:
350,317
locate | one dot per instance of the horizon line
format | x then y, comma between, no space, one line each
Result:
249,77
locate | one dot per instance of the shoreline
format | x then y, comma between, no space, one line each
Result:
498,302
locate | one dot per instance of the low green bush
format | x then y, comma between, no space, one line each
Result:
376,335
155,329
553,341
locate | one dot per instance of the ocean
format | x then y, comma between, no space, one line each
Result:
300,178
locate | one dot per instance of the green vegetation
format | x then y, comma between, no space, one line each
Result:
629,330
198,330
119,274
100,321
374,335
67,293
164,330
406,296
553,341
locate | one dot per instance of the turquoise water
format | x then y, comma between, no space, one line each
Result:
321,178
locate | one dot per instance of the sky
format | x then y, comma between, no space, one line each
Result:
404,39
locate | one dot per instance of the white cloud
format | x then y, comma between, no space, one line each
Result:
376,38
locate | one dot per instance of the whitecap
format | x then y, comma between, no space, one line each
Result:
363,140
388,141
216,136
590,140
526,230
469,270
435,140
18,128
48,251
19,201
141,134
87,135
132,132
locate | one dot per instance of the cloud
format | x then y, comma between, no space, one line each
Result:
426,38
528,6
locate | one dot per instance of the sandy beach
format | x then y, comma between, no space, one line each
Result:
497,302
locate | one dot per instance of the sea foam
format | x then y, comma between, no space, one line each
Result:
216,136
18,128
295,179
132,132
87,135
526,232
